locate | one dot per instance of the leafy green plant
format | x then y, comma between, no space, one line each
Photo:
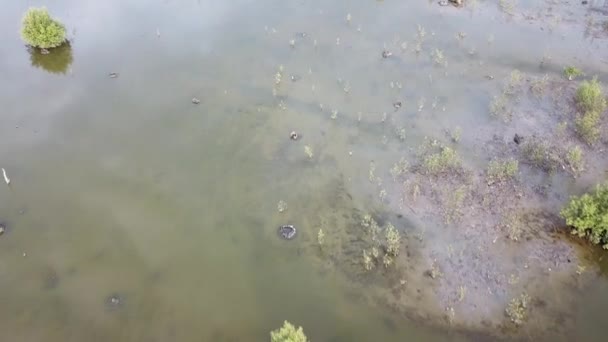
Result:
288,333
539,154
40,30
588,215
441,162
587,127
572,72
501,170
517,310
574,159
589,97
393,240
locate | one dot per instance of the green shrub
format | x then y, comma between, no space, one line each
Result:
572,72
444,161
590,98
288,333
502,170
40,30
588,215
541,155
587,127
575,161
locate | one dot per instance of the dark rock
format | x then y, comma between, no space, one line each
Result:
584,2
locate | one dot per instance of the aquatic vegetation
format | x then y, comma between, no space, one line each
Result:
281,206
334,114
372,171
589,97
368,262
456,134
39,29
393,240
560,130
309,152
439,58
401,134
517,309
574,160
278,76
513,225
501,170
288,333
507,6
515,80
587,127
399,168
462,291
435,272
387,260
320,237
375,252
382,195
539,85
441,162
499,108
588,215
572,72
539,154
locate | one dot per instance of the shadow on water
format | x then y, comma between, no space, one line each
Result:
56,61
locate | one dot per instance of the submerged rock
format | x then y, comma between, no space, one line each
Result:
518,139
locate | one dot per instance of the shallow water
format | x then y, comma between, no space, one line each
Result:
122,186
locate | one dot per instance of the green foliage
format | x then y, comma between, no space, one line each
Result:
590,98
572,72
539,154
574,159
517,310
587,127
393,240
441,162
502,170
588,215
40,30
288,333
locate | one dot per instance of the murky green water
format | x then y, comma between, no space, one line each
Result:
124,187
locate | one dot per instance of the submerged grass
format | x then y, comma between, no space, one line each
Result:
501,170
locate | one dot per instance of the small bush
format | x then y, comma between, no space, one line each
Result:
541,155
587,127
590,98
40,30
393,240
441,162
502,170
517,310
572,72
288,333
588,215
574,159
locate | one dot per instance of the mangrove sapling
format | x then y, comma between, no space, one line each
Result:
321,237
517,309
368,262
574,160
288,333
40,30
281,206
393,240
441,162
571,72
500,171
587,127
590,97
500,109
588,215
399,168
308,151
540,155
